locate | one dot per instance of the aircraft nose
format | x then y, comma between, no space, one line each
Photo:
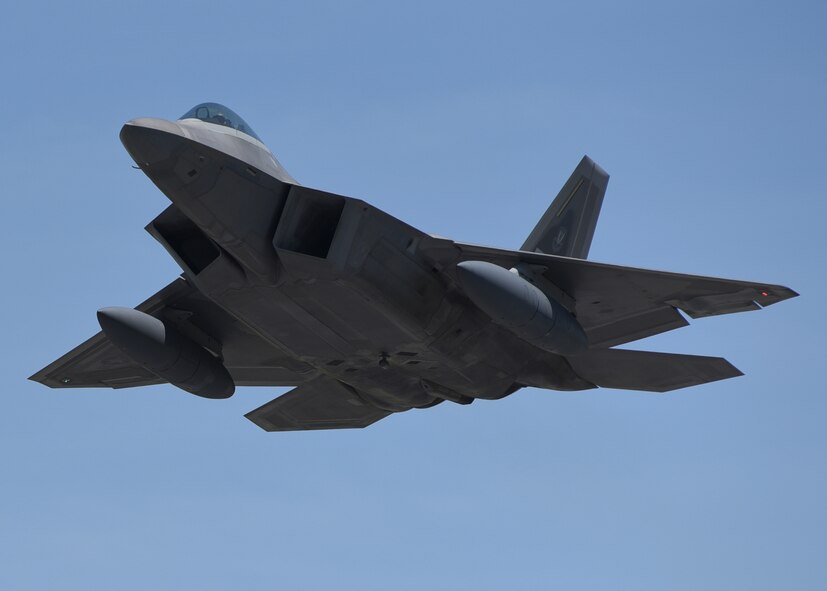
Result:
150,140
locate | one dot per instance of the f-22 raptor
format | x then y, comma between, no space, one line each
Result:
364,315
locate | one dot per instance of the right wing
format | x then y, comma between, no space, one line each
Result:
323,403
250,360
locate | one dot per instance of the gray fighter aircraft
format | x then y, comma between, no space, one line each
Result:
285,285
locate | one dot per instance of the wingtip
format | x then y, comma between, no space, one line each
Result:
773,294
49,382
41,377
734,371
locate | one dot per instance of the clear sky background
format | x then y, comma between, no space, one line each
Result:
463,119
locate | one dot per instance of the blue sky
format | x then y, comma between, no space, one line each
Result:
463,119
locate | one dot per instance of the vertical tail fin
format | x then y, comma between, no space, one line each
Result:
567,227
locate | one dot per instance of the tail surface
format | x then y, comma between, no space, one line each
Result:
567,227
625,369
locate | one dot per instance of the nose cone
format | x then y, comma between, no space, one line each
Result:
150,140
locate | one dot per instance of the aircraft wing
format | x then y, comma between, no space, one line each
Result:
250,360
616,304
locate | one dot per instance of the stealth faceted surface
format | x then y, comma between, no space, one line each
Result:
462,120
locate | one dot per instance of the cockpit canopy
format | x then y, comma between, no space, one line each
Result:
220,115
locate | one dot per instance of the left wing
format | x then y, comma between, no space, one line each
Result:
250,360
616,304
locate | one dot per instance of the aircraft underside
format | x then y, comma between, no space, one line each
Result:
365,315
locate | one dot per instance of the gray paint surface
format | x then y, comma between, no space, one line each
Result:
290,286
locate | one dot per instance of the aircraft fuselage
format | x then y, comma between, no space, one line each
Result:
332,281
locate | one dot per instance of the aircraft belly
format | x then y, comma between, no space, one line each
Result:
351,316
332,282
365,315
273,314
402,284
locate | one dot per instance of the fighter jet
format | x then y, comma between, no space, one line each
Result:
366,316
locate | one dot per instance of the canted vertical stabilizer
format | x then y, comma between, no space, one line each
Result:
567,227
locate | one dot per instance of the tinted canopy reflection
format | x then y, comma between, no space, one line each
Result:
220,115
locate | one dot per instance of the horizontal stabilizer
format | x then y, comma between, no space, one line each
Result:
322,403
648,371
